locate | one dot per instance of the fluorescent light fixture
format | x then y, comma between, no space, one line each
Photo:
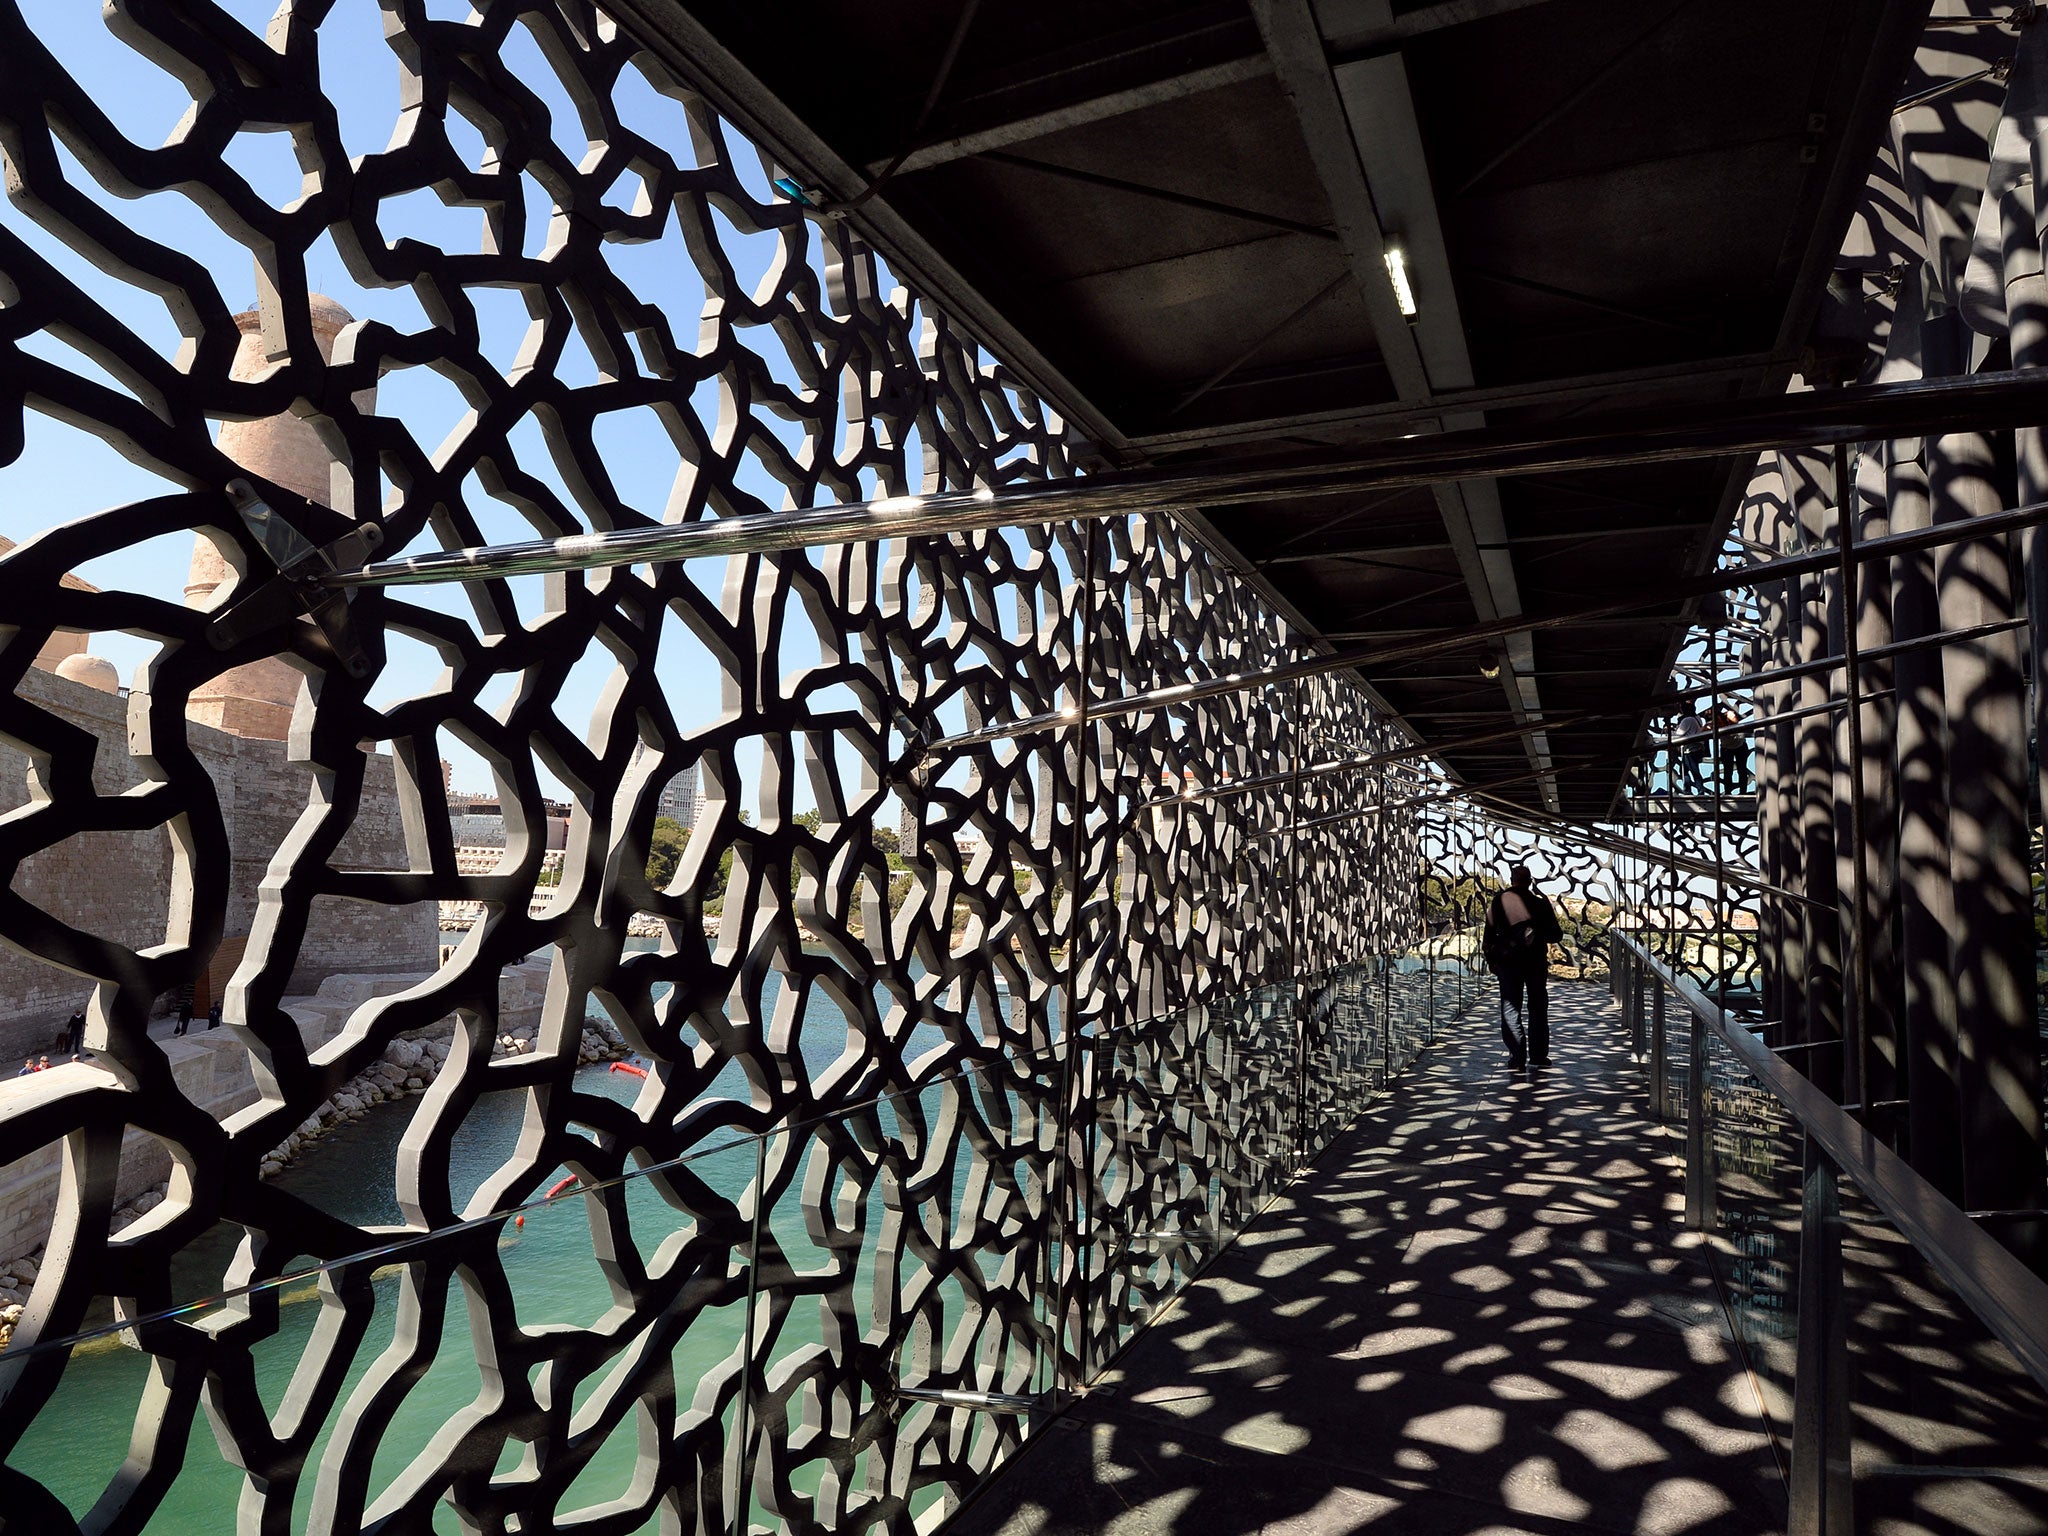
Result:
1397,271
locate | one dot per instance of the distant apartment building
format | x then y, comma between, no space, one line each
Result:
477,821
680,796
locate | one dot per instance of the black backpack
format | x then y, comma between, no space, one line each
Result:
1501,943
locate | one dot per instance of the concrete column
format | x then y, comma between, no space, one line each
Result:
1809,482
1998,1042
2023,142
1925,903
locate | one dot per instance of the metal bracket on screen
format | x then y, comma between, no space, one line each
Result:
299,590
974,1401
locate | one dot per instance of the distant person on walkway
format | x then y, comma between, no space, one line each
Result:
1688,751
213,1015
28,1067
1734,753
74,1032
43,1065
1520,928
184,1012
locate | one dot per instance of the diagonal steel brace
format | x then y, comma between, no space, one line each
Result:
302,588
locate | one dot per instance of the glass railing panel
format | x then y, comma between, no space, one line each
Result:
369,1365
1947,1432
1341,1041
904,1252
1269,1091
910,1242
1757,1161
1410,990
1225,1052
1152,1214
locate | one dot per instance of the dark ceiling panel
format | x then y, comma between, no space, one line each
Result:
1131,186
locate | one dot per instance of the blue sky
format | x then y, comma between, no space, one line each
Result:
64,472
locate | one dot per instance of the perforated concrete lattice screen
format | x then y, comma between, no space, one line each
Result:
864,1155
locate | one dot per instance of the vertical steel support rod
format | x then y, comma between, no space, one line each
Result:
1699,1141
742,1409
1635,1011
1724,927
1822,1503
1422,907
1659,1109
1856,1056
1379,936
1295,920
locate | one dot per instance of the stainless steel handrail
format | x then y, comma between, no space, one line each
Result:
2006,1297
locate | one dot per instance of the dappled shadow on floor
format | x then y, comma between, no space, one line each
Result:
1478,1313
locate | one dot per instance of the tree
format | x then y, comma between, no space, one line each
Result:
665,851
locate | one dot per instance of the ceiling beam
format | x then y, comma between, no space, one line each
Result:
1365,141
1358,29
1399,413
1076,114
1556,536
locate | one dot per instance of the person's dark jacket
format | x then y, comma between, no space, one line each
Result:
1527,943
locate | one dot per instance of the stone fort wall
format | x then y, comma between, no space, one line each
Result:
117,884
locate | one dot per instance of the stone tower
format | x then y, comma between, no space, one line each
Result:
257,700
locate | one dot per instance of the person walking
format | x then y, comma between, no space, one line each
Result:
74,1032
1520,928
1733,755
213,1015
1688,752
184,1012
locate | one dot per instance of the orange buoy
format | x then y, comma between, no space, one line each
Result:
627,1066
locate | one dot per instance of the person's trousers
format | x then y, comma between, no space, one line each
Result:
1525,1011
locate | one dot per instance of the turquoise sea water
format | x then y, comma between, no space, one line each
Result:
77,1444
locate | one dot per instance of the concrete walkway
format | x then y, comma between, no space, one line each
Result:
1477,1314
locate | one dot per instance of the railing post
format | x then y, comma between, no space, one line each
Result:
1658,1107
1430,1038
1635,1009
1822,1500
1700,1212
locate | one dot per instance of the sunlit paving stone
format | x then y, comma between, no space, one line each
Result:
1623,1382
1395,1340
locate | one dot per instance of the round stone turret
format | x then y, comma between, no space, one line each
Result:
93,671
257,700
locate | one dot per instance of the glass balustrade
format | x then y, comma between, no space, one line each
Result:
958,1254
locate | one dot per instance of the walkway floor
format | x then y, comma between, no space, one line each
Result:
1478,1314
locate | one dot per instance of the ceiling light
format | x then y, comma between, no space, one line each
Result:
1489,669
1397,271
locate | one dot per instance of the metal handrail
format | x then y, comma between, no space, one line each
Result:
2006,1296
